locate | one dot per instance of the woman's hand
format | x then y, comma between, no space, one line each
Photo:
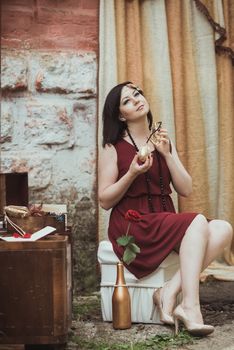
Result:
161,141
111,190
137,167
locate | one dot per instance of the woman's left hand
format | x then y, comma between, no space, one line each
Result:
161,141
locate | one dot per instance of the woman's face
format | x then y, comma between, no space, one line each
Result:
133,104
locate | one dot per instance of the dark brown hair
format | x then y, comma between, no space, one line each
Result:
113,127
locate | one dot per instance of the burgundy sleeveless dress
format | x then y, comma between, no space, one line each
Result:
158,232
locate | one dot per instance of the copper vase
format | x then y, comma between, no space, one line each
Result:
121,303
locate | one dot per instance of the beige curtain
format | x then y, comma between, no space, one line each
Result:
108,77
168,48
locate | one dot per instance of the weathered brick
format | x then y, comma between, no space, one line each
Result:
20,22
75,167
63,4
15,4
85,123
53,16
38,168
6,122
61,16
54,135
85,262
29,24
48,124
67,73
89,4
14,72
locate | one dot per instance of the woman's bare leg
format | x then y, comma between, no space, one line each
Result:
220,236
192,252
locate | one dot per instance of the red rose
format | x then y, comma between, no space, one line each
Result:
27,235
128,242
17,235
132,215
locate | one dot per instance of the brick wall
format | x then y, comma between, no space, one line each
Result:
49,112
50,24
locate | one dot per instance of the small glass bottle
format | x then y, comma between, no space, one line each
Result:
121,303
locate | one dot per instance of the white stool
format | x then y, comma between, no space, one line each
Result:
141,290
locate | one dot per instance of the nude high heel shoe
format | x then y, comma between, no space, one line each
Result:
193,328
157,302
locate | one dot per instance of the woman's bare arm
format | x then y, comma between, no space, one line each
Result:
182,181
110,191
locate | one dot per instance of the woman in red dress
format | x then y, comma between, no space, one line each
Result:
128,181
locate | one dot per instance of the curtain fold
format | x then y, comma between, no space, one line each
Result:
189,121
225,77
128,28
107,76
169,49
207,84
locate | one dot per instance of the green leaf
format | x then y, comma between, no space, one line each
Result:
134,248
128,256
125,240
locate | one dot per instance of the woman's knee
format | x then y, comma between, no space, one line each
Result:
200,224
223,228
200,220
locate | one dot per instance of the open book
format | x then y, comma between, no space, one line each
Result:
34,237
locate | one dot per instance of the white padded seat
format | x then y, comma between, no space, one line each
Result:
141,290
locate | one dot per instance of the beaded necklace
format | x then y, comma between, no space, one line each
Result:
147,178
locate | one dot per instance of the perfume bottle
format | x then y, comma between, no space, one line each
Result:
144,151
121,303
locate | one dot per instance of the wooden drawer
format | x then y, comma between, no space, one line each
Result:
35,291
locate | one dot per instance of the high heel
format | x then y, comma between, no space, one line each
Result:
157,302
176,325
193,328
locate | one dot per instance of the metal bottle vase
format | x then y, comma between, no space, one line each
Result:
121,303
